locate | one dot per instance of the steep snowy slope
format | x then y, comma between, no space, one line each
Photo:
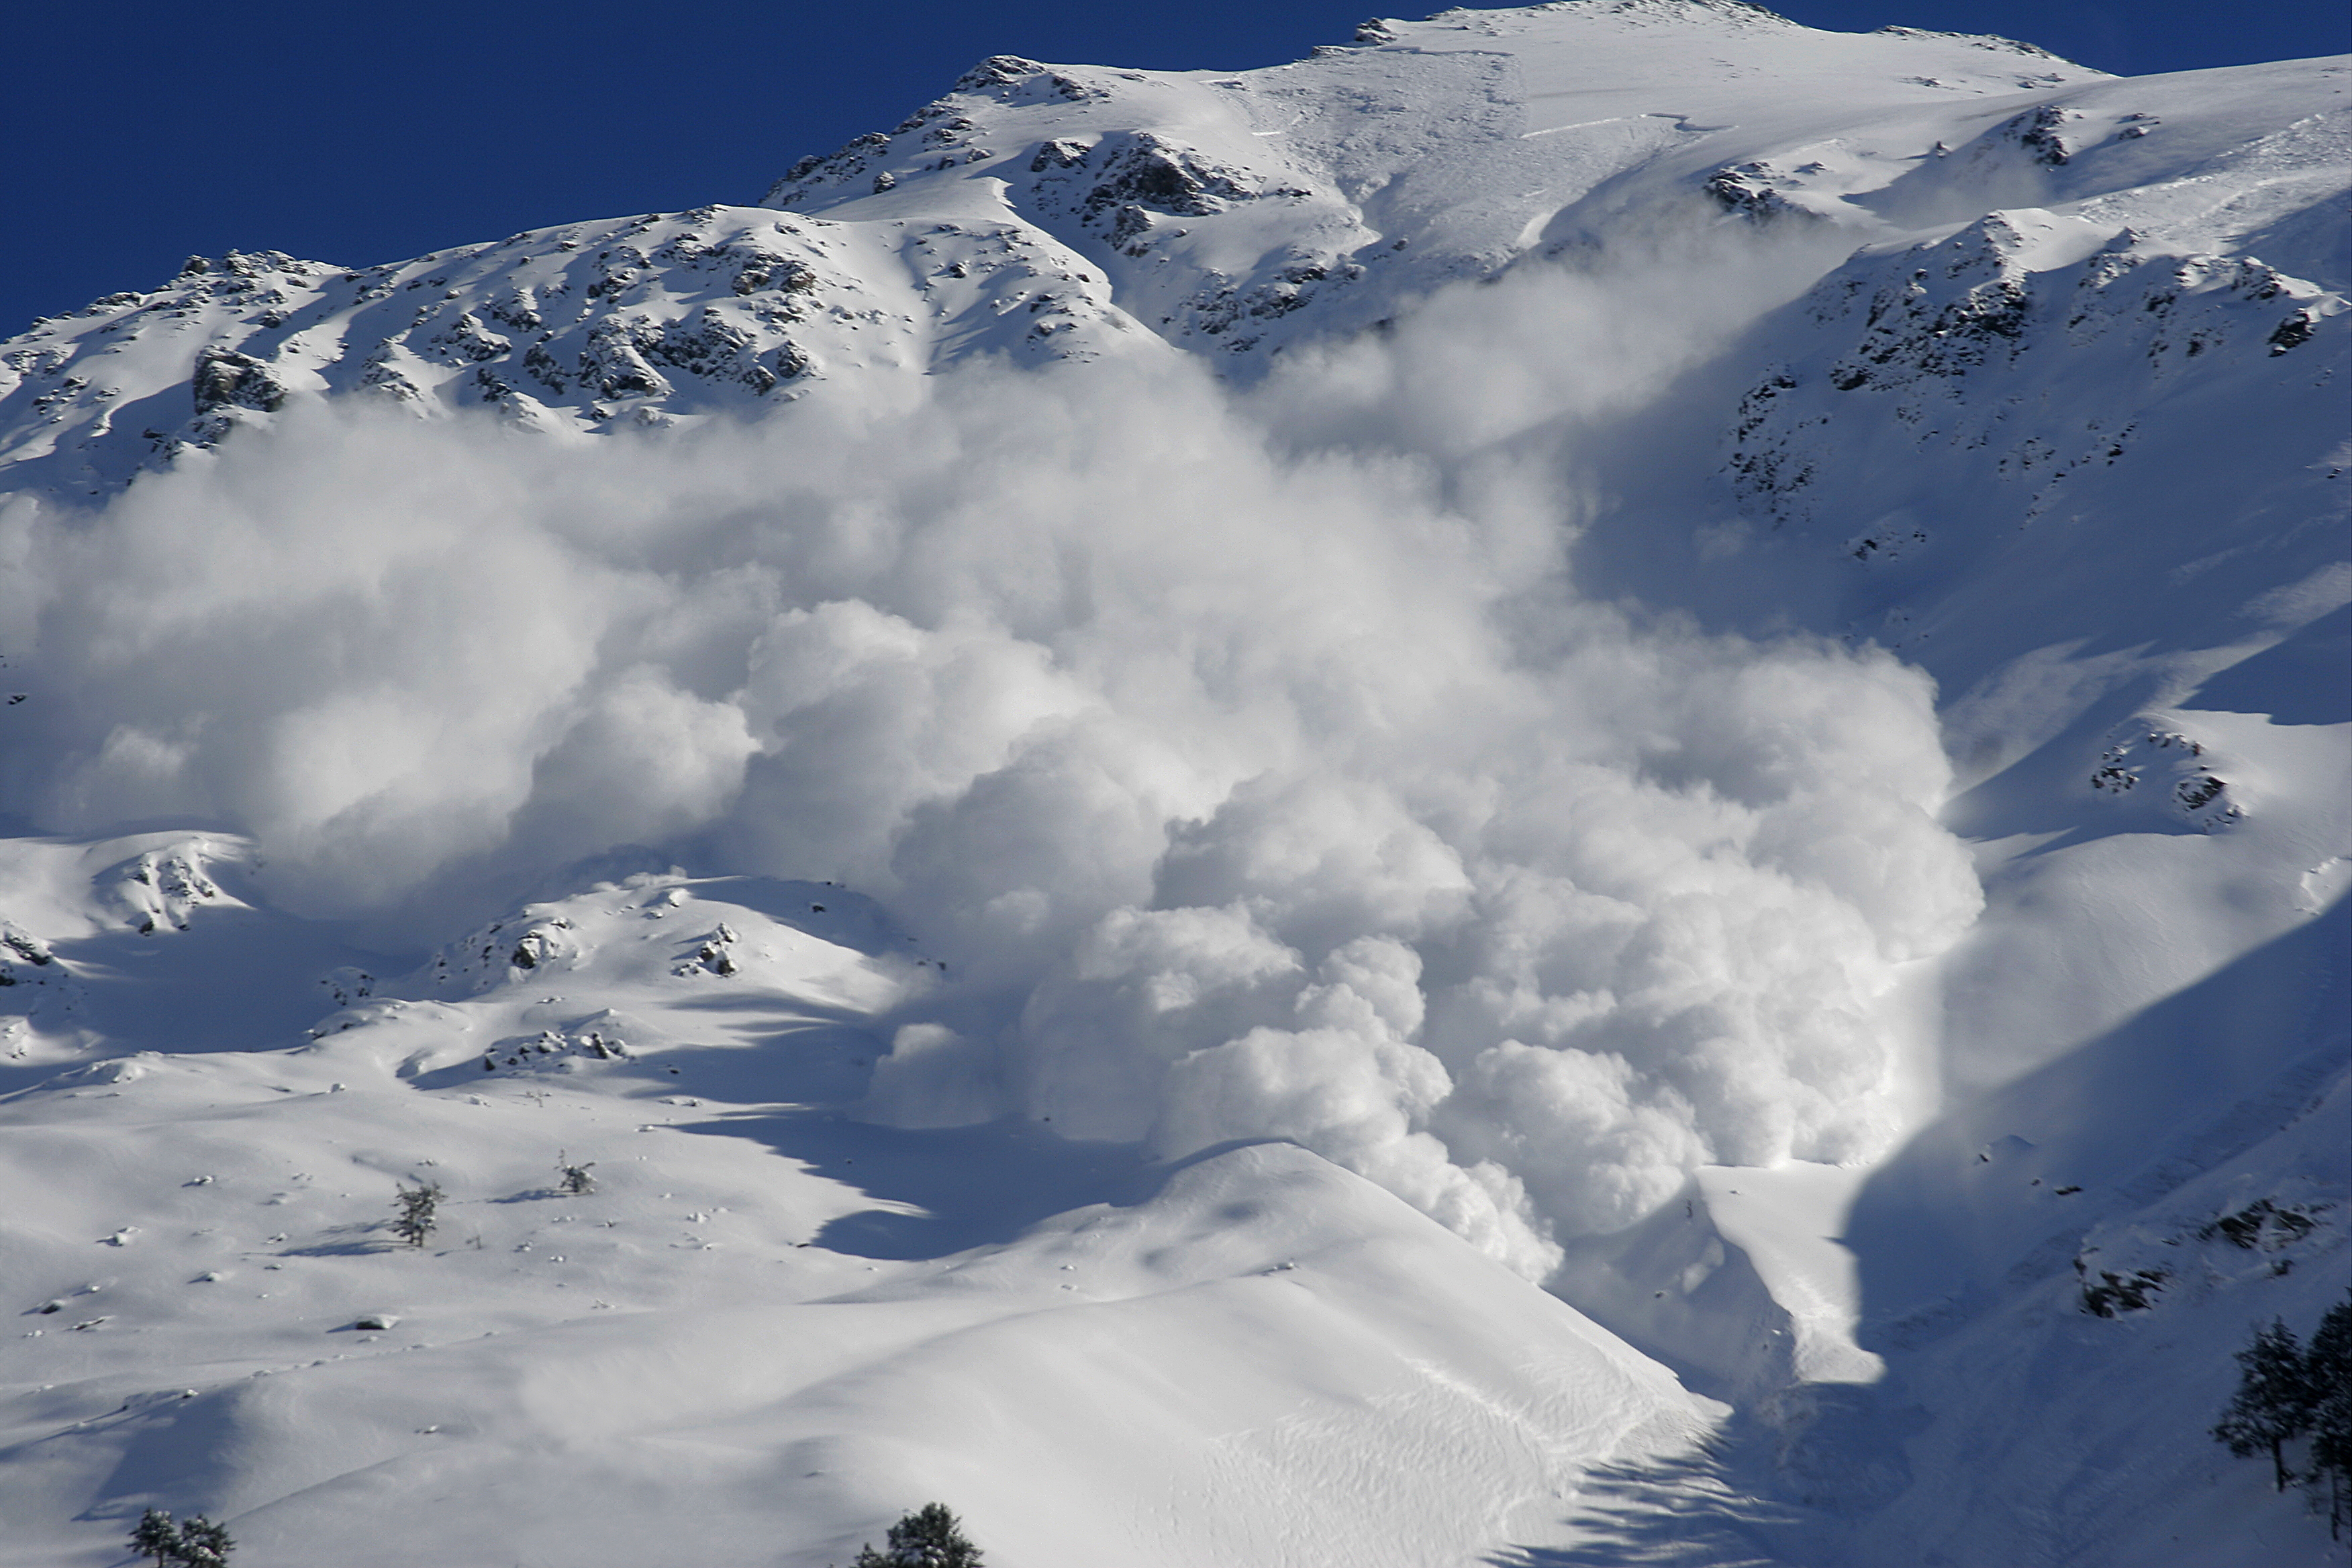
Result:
647,319
1710,653
2060,1269
763,1326
1040,212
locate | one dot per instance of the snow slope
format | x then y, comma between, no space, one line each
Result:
764,1328
1618,645
1031,212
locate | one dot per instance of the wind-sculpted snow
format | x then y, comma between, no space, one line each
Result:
1246,794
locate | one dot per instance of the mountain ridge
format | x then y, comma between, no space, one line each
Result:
744,338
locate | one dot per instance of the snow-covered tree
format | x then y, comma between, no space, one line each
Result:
413,1212
156,1537
194,1543
2274,1402
2328,1363
930,1537
203,1544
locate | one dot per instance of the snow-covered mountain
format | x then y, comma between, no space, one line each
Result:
1569,788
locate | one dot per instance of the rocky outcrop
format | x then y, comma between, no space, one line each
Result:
1944,340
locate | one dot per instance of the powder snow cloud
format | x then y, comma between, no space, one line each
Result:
1249,754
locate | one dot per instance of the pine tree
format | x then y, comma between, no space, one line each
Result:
930,1537
2328,1366
576,1179
203,1544
2274,1402
415,1206
156,1538
194,1543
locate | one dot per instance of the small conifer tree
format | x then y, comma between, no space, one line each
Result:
194,1543
576,1179
413,1212
2329,1365
2274,1402
203,1544
156,1537
930,1537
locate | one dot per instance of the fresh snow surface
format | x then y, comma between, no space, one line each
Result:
1789,1221
1518,796
764,1320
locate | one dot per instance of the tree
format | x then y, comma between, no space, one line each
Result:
203,1544
414,1208
2328,1364
156,1537
576,1179
194,1543
2274,1402
930,1537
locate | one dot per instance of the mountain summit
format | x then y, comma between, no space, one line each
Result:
1045,212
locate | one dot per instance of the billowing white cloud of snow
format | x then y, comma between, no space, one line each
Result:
1249,755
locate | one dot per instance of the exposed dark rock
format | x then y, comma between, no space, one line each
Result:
226,379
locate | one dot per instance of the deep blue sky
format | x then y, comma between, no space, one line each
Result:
139,132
